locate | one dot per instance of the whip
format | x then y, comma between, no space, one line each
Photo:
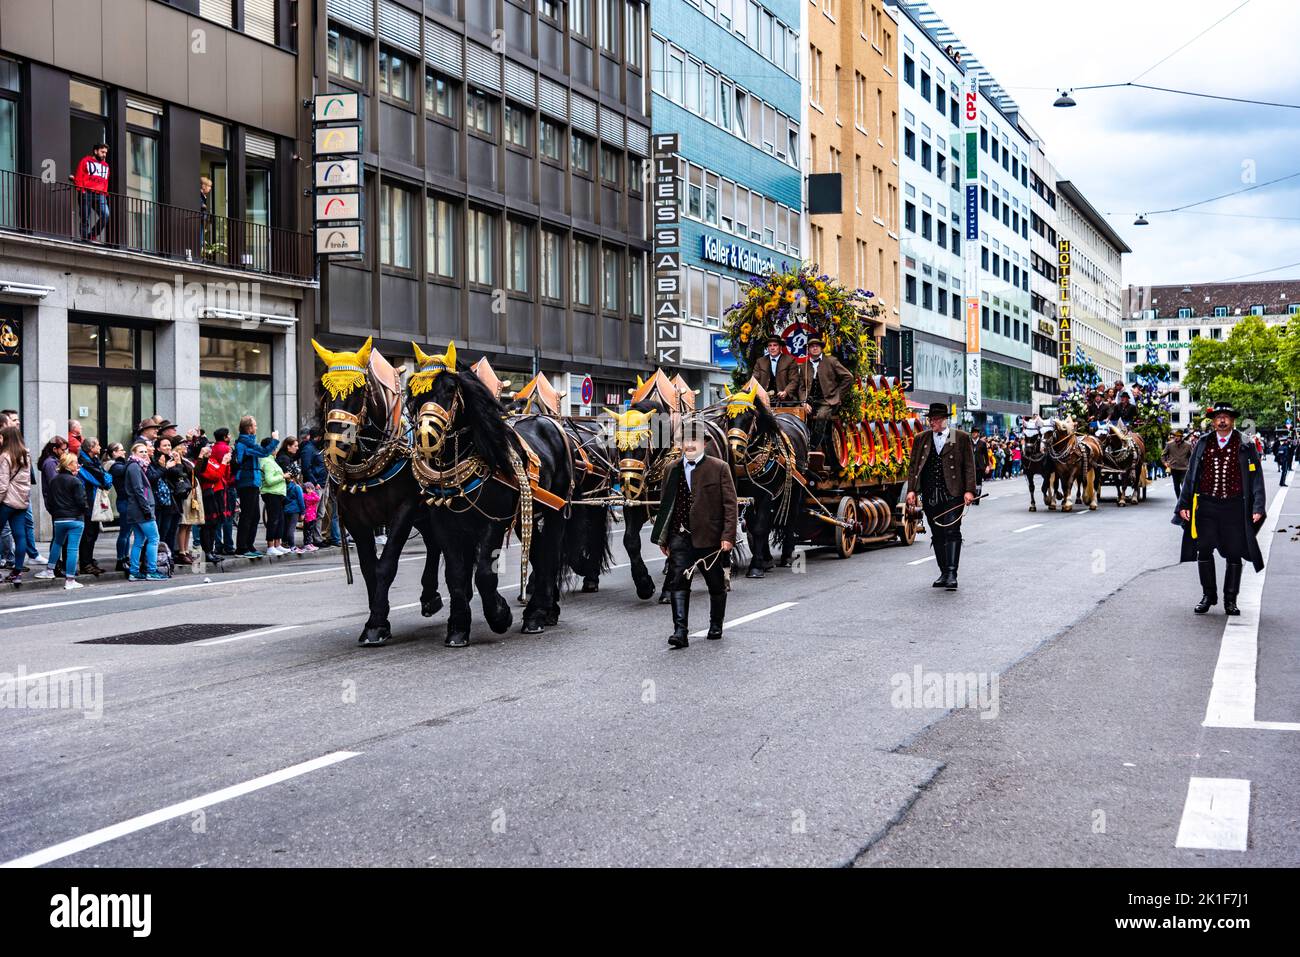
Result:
934,519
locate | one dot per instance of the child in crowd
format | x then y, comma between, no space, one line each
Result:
311,502
294,503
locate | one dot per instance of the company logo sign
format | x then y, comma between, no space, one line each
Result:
1064,331
734,256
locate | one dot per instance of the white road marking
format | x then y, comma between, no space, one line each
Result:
922,561
105,834
1216,815
1232,694
46,674
748,618
247,634
1017,531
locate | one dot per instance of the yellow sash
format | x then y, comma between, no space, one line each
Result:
1195,498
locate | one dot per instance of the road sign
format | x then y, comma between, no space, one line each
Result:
668,355
588,390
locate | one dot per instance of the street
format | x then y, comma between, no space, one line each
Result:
807,736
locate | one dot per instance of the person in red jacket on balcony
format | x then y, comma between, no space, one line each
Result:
92,191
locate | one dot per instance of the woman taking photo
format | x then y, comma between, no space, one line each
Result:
15,496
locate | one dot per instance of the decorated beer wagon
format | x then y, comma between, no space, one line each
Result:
853,490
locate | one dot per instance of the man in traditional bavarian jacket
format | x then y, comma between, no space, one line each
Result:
942,470
823,384
1221,508
777,372
695,529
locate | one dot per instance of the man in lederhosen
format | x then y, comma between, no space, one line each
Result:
823,384
696,529
777,372
943,470
1221,508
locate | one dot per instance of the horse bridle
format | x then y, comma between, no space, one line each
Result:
350,428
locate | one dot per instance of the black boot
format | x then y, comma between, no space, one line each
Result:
940,556
1231,585
717,612
953,548
681,602
1209,585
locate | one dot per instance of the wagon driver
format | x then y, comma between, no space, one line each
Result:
943,469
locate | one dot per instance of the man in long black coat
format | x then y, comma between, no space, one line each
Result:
1221,508
941,477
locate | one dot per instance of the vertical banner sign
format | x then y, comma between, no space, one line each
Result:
970,259
666,328
337,144
1065,322
907,358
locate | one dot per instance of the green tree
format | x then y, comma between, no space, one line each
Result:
1243,369
1288,359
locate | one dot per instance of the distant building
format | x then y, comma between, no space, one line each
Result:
1160,323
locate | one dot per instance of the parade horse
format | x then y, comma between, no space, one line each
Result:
644,447
769,452
1123,455
480,476
1070,463
367,457
1035,462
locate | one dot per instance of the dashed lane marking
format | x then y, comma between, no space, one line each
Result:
105,834
1216,815
46,674
247,634
1017,531
922,561
744,619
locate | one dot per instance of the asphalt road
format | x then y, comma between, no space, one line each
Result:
792,741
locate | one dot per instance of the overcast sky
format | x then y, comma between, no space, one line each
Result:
1131,151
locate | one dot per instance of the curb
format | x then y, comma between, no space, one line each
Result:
232,563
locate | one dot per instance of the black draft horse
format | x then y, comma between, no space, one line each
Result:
768,451
367,455
467,461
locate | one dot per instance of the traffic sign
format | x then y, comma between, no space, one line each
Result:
588,390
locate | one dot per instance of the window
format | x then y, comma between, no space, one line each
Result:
518,244
1257,310
909,216
909,143
345,56
442,238
610,161
549,10
742,115
552,271
581,272
909,287
926,221
395,76
234,380
635,13
550,141
394,227
479,114
1217,331
517,127
609,292
580,18
1175,356
1220,311
580,154
480,247
609,27
909,71
635,283
439,97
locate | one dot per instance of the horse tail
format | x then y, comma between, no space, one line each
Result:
587,549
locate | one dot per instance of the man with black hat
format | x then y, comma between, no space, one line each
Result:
1222,508
943,470
777,372
823,383
696,529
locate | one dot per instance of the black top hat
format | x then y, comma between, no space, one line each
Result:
771,339
938,410
1223,408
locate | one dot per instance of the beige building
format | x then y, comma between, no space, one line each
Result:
852,123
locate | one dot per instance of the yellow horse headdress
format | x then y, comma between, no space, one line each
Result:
633,428
345,372
738,402
428,367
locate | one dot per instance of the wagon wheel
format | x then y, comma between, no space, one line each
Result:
846,539
907,530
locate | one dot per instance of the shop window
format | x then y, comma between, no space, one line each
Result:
234,380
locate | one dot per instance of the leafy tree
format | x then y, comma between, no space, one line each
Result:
1242,369
1288,360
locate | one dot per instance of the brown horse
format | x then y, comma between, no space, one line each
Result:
1069,458
1036,462
1124,455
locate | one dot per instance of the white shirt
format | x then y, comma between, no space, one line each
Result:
690,472
939,439
774,360
1223,439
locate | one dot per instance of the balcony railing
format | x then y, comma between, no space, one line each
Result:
32,207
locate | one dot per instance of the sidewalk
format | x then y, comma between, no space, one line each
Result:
106,557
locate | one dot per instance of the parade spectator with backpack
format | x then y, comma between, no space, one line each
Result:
249,453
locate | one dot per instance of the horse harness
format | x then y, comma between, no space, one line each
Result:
389,458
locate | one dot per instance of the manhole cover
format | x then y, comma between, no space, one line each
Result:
173,635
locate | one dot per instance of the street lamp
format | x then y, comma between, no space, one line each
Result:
1065,99
1141,220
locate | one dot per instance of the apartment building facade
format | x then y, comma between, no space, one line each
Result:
726,81
155,299
1160,323
852,114
1095,292
505,208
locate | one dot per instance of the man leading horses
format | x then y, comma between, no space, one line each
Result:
1221,508
943,469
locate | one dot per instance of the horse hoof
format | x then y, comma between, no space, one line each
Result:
1051,508
1067,507
663,598
1092,507
533,628
591,585
784,563
754,572
645,589
373,637
500,618
431,607
456,639
1033,508
768,565
552,618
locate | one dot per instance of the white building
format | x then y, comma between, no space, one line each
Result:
1095,287
1160,323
